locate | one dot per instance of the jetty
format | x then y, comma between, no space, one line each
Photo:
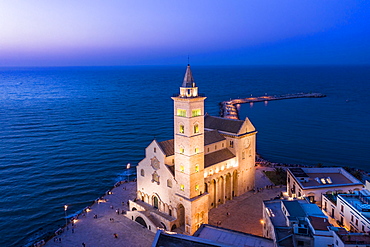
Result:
229,109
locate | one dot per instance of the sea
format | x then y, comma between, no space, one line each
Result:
67,134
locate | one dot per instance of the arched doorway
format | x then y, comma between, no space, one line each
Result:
141,221
155,202
181,215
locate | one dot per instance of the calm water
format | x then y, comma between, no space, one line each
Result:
66,134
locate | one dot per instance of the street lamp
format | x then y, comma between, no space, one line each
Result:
65,213
128,167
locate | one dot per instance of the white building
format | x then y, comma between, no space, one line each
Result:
295,223
351,211
313,182
209,161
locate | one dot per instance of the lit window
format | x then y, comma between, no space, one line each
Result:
182,187
182,168
182,129
196,150
181,113
196,187
195,113
196,168
231,144
182,150
196,128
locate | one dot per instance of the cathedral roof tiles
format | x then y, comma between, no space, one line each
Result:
217,157
167,147
223,124
212,137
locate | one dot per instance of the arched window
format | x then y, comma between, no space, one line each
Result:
182,187
181,129
182,168
196,150
182,150
196,128
142,172
196,187
196,168
169,183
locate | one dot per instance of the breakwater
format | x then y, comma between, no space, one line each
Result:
229,109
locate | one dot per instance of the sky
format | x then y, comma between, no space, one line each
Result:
166,32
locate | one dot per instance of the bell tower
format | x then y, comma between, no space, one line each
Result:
189,151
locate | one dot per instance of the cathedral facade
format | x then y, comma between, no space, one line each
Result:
209,161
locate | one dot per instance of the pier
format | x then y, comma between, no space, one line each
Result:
229,109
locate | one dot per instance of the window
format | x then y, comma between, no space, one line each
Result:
196,187
231,144
195,113
182,168
182,129
196,128
196,168
155,150
169,183
155,178
196,150
342,208
182,187
182,150
243,155
142,172
207,149
181,112
356,222
363,228
352,218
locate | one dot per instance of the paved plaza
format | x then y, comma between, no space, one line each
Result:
242,214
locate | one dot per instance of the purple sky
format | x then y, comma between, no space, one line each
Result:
212,32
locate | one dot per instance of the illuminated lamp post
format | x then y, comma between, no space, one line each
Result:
128,167
65,213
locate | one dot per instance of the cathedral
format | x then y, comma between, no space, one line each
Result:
209,161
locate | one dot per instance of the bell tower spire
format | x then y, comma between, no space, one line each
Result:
188,88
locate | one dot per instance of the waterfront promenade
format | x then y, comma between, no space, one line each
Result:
97,228
243,213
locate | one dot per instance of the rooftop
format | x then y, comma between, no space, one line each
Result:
323,177
353,238
217,157
319,223
222,124
231,237
358,200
